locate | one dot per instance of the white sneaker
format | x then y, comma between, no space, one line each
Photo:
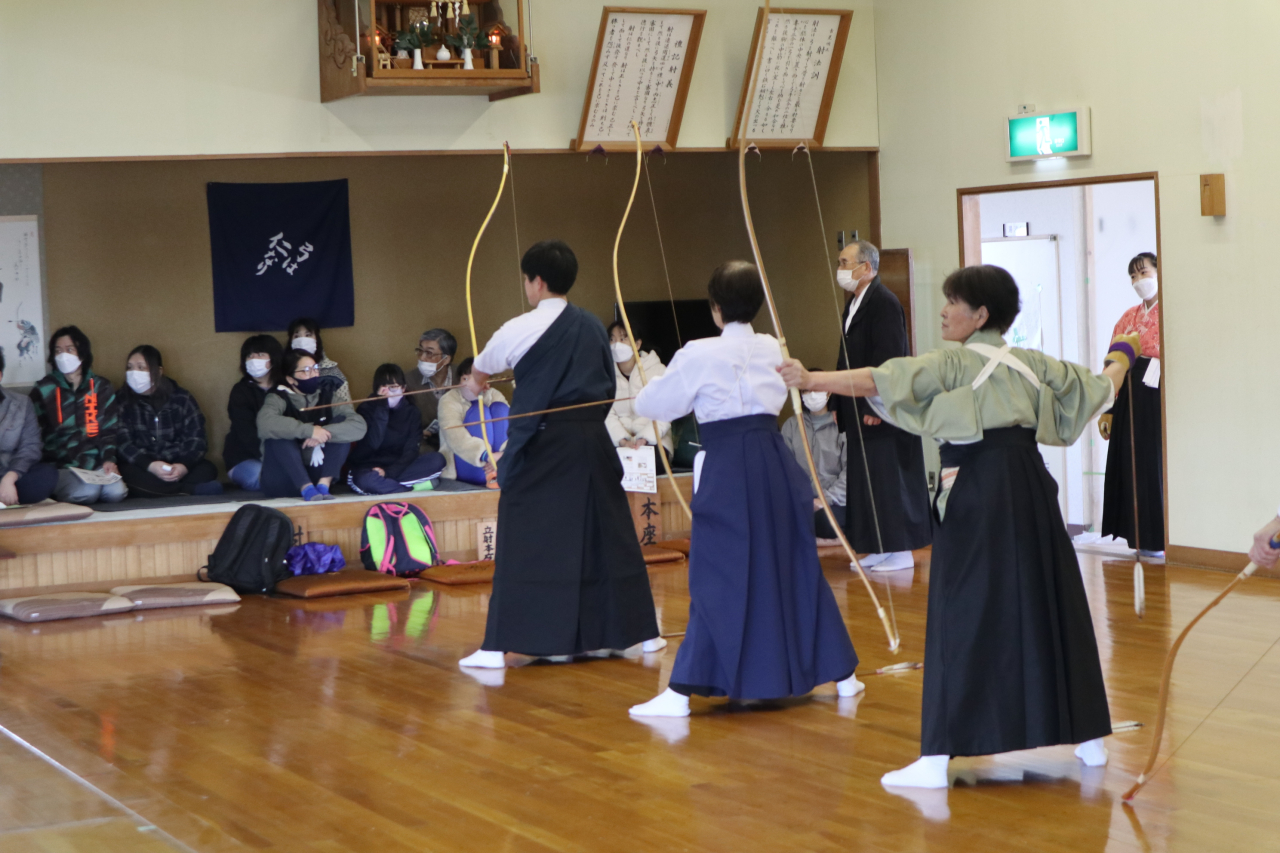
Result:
894,562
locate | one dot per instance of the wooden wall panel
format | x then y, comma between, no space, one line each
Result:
127,248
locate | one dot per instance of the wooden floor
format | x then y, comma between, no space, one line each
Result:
346,725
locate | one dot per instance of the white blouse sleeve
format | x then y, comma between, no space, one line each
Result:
670,396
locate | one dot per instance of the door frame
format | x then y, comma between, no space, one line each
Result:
970,233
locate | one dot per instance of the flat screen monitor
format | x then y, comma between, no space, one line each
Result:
655,324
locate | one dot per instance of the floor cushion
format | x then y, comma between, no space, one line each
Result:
345,582
148,596
62,605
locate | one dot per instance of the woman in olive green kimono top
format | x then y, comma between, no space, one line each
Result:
1011,661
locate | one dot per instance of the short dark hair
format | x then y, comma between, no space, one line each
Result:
448,343
1,359
1142,259
735,288
263,343
616,324
465,368
310,324
291,359
161,386
387,374
83,349
552,261
986,286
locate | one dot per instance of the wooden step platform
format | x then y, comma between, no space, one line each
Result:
161,545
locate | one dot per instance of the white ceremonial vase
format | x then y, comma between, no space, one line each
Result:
417,59
442,54
466,59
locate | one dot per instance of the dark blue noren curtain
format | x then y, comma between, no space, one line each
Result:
280,251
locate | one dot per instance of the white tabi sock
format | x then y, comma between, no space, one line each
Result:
871,559
484,660
851,686
1092,753
668,703
928,771
657,644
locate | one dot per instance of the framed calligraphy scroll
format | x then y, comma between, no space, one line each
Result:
799,70
641,71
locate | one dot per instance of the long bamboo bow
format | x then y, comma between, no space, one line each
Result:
894,640
471,316
626,322
1156,735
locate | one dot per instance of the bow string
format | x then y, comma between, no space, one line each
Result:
890,633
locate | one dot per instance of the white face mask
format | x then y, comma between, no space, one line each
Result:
67,362
394,398
621,351
139,380
815,401
844,278
427,369
257,367
1146,288
304,344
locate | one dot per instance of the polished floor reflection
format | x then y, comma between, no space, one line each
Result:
346,725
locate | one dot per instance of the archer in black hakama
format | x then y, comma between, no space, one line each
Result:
898,497
1148,441
570,577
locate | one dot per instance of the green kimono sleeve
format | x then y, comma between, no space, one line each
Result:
927,395
1070,397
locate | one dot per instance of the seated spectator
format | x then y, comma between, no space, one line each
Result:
386,460
260,358
466,457
25,479
626,428
829,455
436,349
79,419
303,451
304,334
162,439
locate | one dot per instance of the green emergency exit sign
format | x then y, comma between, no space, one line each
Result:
1037,137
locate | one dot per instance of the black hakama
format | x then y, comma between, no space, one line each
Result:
1011,661
569,575
899,518
1117,490
763,622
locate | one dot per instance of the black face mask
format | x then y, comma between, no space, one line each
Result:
308,386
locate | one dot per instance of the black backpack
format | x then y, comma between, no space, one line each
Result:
250,555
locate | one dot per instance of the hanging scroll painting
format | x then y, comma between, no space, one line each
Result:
800,67
641,71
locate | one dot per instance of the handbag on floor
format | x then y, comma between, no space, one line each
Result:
314,558
397,539
250,555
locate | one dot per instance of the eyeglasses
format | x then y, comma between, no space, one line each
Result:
431,354
304,372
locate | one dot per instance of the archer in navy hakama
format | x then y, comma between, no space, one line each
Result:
763,622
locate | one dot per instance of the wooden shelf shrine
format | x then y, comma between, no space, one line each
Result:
501,67
798,77
640,72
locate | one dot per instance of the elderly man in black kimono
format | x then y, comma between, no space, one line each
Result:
887,508
570,577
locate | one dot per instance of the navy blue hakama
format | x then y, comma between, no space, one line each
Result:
763,622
